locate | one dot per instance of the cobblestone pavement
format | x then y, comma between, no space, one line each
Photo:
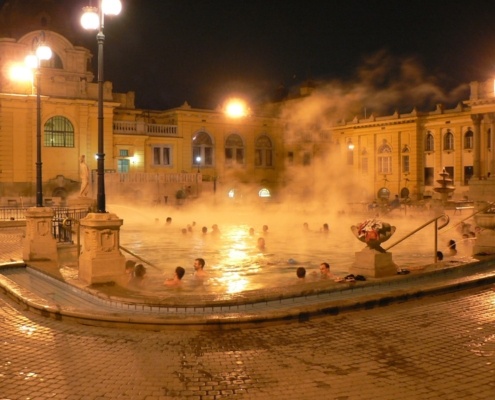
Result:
11,244
435,348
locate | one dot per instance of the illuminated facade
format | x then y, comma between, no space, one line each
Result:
154,154
404,153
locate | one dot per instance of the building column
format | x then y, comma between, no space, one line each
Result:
491,153
477,172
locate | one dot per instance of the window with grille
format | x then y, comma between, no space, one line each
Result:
202,150
429,142
448,141
161,155
384,161
263,154
123,165
234,150
469,140
59,132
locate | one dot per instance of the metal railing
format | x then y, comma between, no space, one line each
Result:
437,228
63,222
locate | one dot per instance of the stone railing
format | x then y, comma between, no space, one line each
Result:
143,128
144,177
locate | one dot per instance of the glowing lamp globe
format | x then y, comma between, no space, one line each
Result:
43,52
111,7
236,108
90,19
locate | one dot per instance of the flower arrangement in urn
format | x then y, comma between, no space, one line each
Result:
373,232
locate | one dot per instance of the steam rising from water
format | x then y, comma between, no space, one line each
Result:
317,193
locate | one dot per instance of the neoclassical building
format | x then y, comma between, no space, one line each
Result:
405,153
153,155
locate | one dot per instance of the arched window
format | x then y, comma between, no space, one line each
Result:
234,150
263,154
202,150
54,62
448,141
429,142
384,159
59,132
469,140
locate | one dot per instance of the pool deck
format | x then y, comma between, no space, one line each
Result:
56,292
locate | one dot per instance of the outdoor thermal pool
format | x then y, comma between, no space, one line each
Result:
234,263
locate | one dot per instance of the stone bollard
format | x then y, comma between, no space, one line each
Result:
101,260
39,243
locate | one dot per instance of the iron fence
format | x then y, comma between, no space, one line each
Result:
62,222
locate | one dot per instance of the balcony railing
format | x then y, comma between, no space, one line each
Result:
143,128
145,177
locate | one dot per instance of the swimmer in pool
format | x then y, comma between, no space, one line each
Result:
177,279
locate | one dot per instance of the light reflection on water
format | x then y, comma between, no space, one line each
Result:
234,263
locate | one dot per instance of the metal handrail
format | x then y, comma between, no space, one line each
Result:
437,228
490,205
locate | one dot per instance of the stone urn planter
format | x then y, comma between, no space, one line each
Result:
485,240
373,261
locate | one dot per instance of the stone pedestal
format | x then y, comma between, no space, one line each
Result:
39,243
101,260
82,202
485,242
373,264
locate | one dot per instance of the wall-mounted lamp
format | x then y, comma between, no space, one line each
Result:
350,145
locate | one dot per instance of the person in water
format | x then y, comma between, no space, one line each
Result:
137,279
199,265
177,279
301,273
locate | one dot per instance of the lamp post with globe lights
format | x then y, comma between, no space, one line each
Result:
41,52
38,243
92,19
101,260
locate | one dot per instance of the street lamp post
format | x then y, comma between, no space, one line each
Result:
198,161
93,18
41,52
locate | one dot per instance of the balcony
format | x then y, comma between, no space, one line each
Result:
143,128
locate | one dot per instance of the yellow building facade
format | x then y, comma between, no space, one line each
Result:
154,154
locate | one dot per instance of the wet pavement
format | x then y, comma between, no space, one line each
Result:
434,347
440,347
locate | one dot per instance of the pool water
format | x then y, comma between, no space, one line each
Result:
234,263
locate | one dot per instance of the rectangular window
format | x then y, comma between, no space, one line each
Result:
384,165
123,166
450,171
290,158
124,153
429,176
162,156
468,174
405,164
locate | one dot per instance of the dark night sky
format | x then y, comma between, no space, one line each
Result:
170,51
